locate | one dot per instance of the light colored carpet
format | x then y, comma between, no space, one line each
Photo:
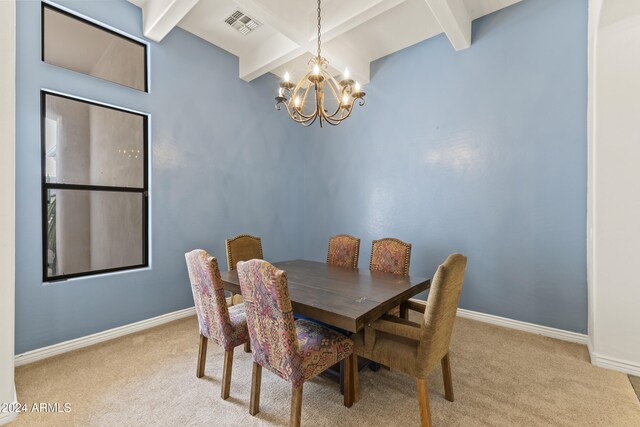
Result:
635,382
501,377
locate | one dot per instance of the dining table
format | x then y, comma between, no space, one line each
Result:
345,298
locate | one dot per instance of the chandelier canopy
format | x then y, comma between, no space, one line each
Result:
306,102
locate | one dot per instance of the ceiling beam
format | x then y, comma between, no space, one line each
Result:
341,57
454,19
286,20
352,14
161,16
271,54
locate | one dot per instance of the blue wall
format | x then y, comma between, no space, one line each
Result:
482,151
224,162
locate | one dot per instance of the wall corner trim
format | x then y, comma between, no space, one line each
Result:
7,417
546,331
614,364
75,344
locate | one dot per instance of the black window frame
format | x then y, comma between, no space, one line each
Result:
45,5
46,186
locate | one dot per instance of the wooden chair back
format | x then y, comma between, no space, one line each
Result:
243,248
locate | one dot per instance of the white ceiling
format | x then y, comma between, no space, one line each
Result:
354,32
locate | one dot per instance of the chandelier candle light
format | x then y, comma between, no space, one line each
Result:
305,107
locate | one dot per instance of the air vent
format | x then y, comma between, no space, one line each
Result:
241,22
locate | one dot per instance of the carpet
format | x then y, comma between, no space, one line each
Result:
501,377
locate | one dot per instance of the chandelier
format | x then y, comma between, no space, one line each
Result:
306,102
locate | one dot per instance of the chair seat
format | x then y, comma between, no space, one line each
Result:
238,333
390,350
320,347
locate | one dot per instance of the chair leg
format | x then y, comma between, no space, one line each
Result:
446,376
226,375
349,368
247,347
202,356
423,400
356,387
296,406
256,379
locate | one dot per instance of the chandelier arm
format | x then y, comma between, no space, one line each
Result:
306,95
301,82
301,120
304,100
338,98
337,121
291,103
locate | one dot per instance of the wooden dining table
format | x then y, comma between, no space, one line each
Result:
345,298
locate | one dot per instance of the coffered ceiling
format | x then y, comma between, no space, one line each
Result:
278,35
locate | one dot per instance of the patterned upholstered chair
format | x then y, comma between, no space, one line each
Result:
414,348
295,350
242,248
227,326
344,251
391,255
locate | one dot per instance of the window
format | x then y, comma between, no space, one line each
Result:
81,45
94,187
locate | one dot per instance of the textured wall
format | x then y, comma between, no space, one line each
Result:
481,151
224,163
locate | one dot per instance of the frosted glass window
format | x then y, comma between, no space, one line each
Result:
80,45
94,186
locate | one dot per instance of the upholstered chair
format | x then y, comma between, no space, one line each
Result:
295,350
390,256
415,348
242,248
227,326
344,251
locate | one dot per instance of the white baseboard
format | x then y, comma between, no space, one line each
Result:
7,417
599,360
546,331
66,346
623,366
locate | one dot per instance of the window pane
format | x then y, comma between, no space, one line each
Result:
93,230
78,45
89,144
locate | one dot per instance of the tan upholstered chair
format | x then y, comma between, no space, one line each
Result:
242,248
390,256
227,326
344,251
414,348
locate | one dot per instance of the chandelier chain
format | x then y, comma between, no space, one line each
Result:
319,30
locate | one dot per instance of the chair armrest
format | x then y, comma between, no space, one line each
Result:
405,329
415,305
